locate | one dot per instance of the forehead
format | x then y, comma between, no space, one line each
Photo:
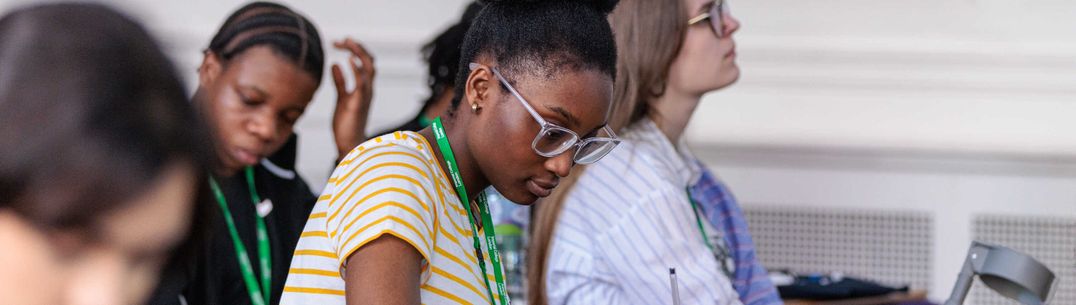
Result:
264,68
584,94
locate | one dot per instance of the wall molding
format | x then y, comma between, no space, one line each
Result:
886,160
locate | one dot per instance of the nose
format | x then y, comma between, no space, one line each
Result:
263,125
561,165
731,23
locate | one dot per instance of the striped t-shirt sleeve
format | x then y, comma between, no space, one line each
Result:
382,190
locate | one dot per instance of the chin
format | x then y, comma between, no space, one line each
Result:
524,199
728,77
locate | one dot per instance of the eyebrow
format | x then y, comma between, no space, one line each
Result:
572,120
260,92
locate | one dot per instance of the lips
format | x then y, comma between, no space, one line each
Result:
541,188
732,51
246,157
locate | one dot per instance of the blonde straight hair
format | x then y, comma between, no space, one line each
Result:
648,34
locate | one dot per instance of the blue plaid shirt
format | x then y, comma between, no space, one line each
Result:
719,208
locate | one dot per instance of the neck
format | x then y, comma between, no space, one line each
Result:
223,172
672,112
438,107
472,176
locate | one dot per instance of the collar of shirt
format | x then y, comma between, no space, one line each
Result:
678,155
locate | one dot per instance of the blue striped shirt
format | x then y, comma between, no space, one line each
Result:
717,204
626,222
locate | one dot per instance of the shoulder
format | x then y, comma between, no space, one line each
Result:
387,185
403,154
637,169
640,161
393,176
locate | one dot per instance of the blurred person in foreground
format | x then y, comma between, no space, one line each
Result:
101,157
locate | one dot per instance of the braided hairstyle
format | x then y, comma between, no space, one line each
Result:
269,24
540,37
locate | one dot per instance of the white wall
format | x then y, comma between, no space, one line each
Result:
919,75
393,30
953,107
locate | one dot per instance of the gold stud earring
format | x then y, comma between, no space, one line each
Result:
474,107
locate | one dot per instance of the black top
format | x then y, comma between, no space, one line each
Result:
212,275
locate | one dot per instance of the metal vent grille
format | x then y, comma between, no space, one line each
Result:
1050,240
892,248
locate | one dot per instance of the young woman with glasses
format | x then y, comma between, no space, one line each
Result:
396,223
612,235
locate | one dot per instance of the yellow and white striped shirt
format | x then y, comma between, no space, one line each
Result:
394,185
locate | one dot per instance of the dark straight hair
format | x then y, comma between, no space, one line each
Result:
91,112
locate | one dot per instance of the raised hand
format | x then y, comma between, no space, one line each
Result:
352,106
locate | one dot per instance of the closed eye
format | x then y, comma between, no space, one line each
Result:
564,115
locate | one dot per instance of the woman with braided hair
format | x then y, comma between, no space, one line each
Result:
257,77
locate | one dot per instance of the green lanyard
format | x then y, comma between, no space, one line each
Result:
483,207
721,254
258,296
424,121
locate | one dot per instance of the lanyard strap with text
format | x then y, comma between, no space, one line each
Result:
258,296
483,207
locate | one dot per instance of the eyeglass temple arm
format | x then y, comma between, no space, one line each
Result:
698,18
514,92
525,104
610,131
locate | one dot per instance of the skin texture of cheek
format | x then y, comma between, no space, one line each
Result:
97,279
227,124
697,67
104,276
702,65
32,275
254,101
135,240
505,141
510,161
